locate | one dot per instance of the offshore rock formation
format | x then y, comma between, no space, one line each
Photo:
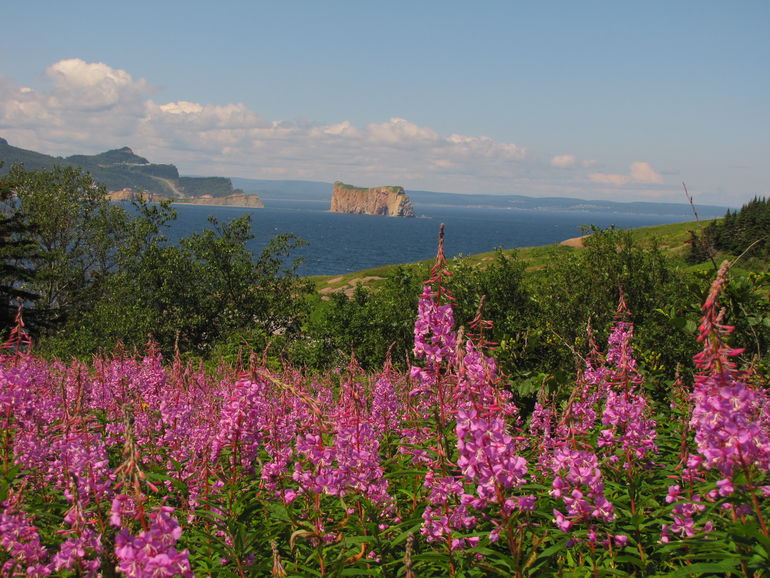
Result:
387,201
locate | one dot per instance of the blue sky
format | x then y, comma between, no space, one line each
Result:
604,100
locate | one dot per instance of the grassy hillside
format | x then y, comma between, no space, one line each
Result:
672,239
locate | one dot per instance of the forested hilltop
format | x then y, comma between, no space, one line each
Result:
121,169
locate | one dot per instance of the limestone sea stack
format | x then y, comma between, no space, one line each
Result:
387,201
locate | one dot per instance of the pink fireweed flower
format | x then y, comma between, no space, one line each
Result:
674,492
626,410
542,428
728,415
626,414
123,506
241,422
727,426
578,483
619,352
414,442
81,458
448,509
351,465
20,541
80,552
435,339
487,455
386,409
478,384
684,513
153,553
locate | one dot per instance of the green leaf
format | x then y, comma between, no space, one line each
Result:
404,535
358,539
550,551
700,568
279,512
629,559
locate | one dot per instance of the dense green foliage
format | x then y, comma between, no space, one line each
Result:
103,275
539,316
528,325
214,186
73,231
17,254
746,230
106,276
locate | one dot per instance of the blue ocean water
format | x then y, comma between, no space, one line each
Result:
341,243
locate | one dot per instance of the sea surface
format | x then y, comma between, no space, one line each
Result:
341,243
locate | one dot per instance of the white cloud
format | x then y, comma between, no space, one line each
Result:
639,172
563,161
609,179
399,131
92,107
84,86
644,173
344,128
181,107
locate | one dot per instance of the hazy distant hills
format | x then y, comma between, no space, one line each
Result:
318,194
120,169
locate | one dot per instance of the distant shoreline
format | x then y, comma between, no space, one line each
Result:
238,200
236,206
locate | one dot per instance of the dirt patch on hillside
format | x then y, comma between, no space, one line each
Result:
574,242
349,287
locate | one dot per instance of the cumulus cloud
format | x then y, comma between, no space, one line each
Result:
106,107
88,103
644,173
79,85
609,179
639,172
563,161
91,107
399,131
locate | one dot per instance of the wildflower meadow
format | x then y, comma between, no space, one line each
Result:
134,465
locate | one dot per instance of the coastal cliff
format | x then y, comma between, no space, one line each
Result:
387,201
127,176
241,199
238,199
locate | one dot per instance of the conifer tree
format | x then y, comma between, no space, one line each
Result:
16,257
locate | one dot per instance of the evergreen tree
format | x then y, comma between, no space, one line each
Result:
17,255
746,230
74,233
